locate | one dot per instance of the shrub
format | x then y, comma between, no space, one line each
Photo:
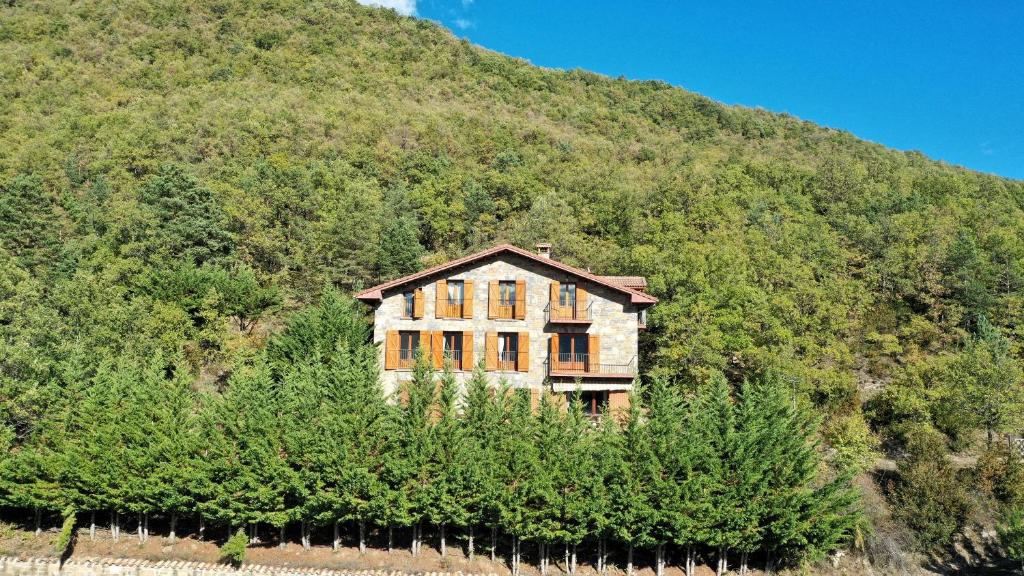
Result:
931,499
1011,534
233,551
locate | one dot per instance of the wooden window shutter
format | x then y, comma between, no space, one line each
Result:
594,352
437,349
440,298
391,345
467,350
493,296
553,352
523,361
424,345
520,299
581,301
467,299
554,297
417,303
491,351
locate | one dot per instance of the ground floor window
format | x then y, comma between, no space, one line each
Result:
595,402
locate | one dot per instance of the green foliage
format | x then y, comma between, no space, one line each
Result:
67,532
233,550
1011,533
931,499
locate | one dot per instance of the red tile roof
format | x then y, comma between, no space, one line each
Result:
634,282
376,293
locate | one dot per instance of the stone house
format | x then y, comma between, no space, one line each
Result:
533,321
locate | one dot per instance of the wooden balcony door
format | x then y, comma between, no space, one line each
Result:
572,353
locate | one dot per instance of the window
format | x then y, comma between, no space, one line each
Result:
456,292
507,292
408,348
594,402
453,349
508,351
506,306
567,296
408,304
572,352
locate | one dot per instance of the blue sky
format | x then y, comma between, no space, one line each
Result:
944,78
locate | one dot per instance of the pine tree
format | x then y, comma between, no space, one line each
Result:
634,513
451,477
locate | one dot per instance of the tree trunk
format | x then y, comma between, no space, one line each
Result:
601,557
39,521
629,560
743,563
494,542
391,538
444,548
202,528
145,526
92,525
280,537
572,561
567,570
139,529
542,552
412,544
659,562
690,561
115,522
722,562
362,537
174,526
515,553
769,564
471,543
337,537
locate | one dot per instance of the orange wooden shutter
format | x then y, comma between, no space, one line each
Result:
520,299
554,297
553,352
493,296
441,298
391,344
467,299
417,303
534,399
523,362
491,351
437,349
424,346
467,350
581,301
594,351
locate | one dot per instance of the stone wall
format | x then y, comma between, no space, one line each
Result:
615,319
131,567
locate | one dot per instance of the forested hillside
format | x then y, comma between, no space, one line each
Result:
178,180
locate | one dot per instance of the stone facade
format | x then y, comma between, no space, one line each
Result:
614,318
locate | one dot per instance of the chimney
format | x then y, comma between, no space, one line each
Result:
544,250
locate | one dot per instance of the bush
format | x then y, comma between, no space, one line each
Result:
1011,534
67,532
931,500
233,551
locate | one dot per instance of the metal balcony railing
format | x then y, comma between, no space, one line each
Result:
453,358
570,364
402,358
569,314
508,361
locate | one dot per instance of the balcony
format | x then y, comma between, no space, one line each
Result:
581,366
507,309
453,358
402,359
508,361
556,314
451,308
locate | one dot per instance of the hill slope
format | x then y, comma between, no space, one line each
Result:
308,143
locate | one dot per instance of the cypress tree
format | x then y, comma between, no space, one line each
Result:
634,513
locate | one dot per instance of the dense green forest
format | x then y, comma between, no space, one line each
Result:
179,180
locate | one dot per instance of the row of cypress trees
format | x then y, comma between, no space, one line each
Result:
303,435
